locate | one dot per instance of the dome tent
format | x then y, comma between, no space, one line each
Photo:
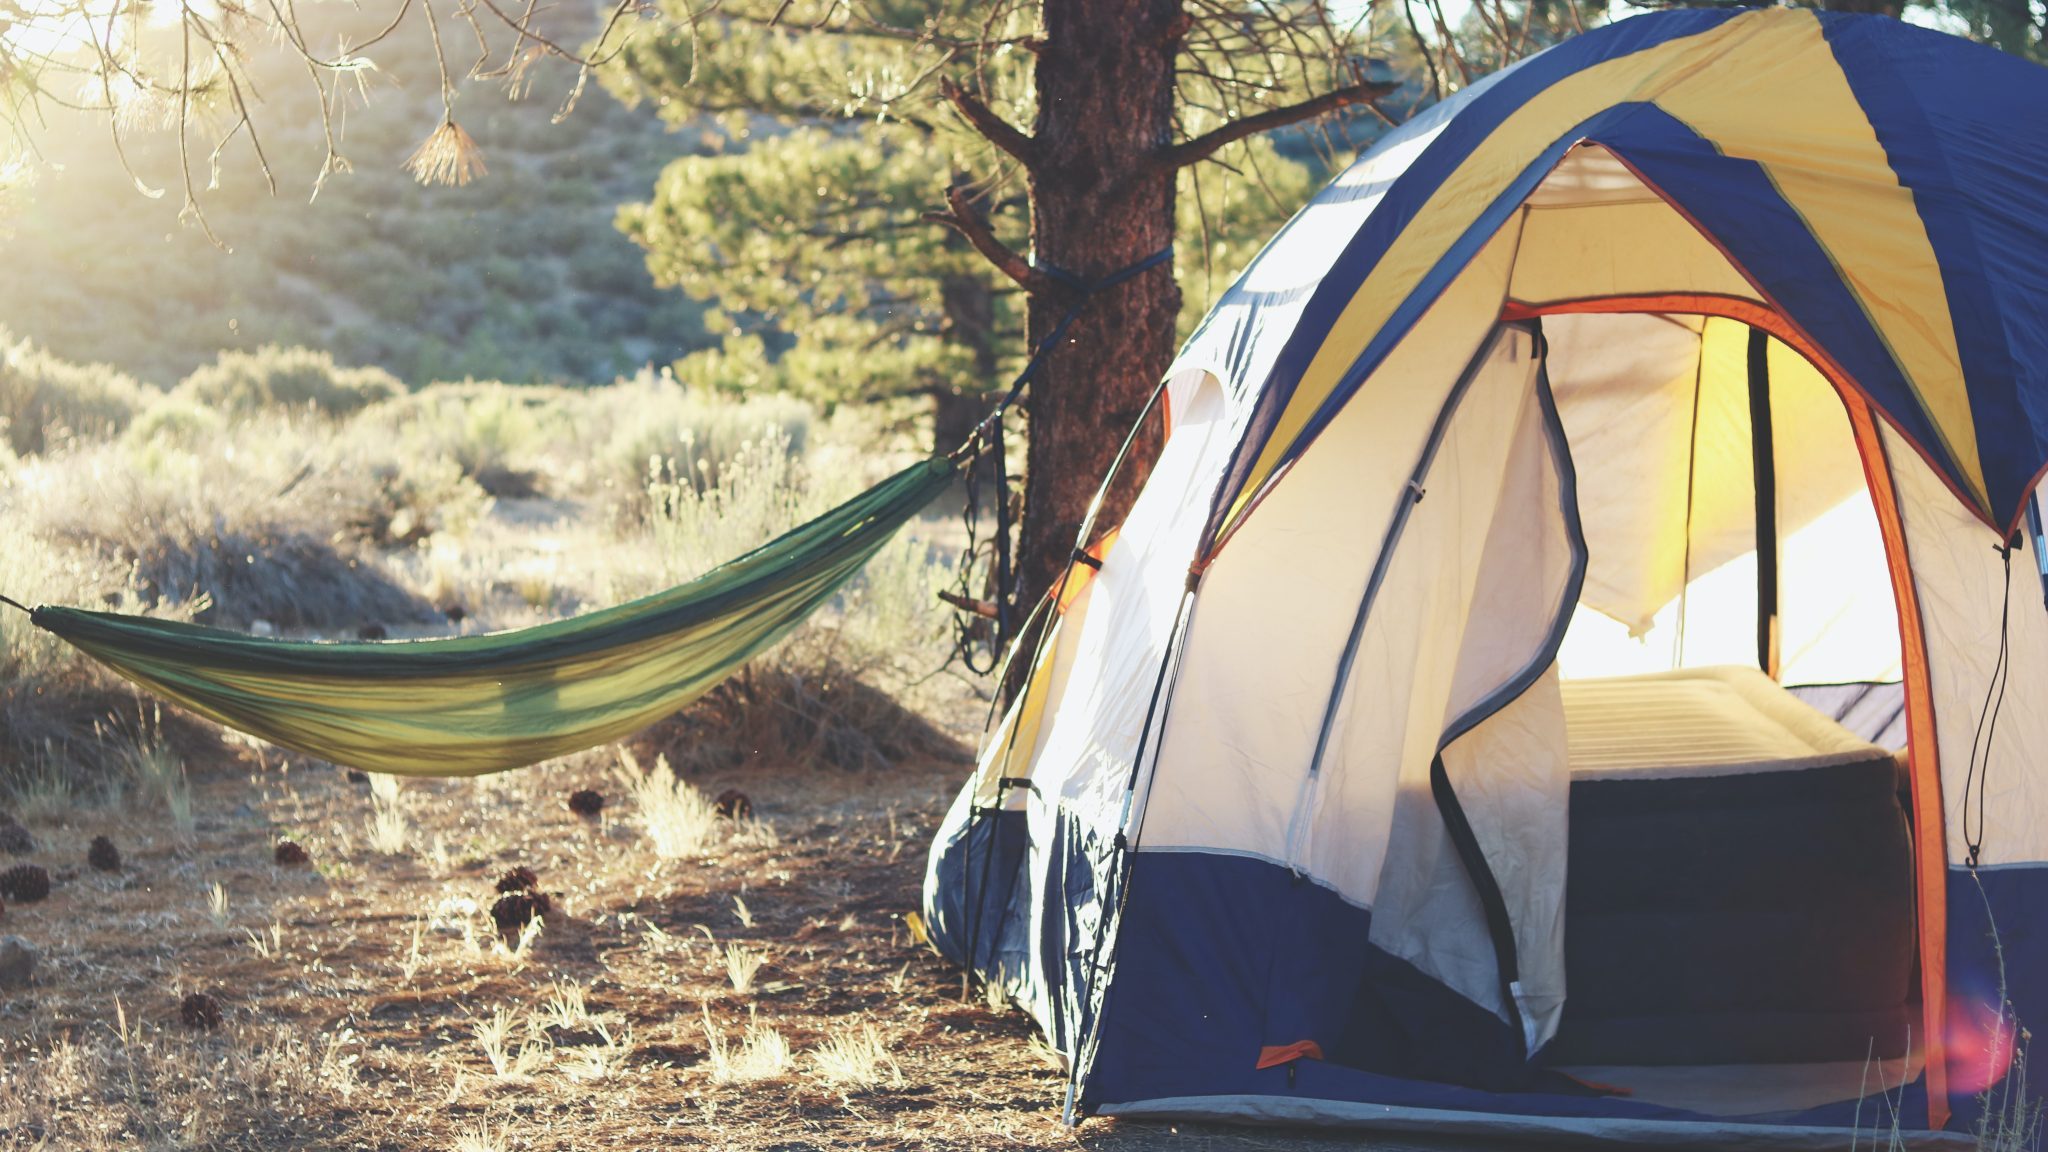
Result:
1707,338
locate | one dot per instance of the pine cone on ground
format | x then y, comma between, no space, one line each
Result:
14,839
288,854
26,883
586,802
515,910
733,804
200,1011
103,856
519,878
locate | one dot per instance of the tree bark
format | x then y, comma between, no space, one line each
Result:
1893,8
969,306
1100,203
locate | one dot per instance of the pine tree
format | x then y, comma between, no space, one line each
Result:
827,283
881,177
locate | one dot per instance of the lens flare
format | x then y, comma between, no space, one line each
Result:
1980,1044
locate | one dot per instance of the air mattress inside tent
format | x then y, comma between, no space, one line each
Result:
1739,884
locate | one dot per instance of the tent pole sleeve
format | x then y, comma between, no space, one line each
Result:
1764,466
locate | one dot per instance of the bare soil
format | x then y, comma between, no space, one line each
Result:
355,990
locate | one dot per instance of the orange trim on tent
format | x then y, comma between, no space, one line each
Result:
1272,1056
1741,308
1930,836
1079,575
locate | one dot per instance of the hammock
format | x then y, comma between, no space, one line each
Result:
470,705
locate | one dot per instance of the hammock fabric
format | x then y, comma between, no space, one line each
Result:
471,705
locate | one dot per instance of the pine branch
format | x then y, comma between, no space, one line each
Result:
994,128
1202,147
962,218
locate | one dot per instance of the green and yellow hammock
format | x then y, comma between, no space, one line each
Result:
470,705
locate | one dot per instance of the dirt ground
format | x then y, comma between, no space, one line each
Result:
360,994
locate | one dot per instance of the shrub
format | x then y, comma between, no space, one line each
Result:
45,400
255,527
32,572
292,378
496,434
690,435
179,420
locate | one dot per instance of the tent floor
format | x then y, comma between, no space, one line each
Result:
1753,1089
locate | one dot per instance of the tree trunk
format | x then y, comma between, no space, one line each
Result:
1105,80
1893,8
969,306
954,415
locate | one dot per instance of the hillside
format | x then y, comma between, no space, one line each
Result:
519,276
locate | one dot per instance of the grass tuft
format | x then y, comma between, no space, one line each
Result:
741,966
680,820
855,1057
390,832
762,1053
508,1061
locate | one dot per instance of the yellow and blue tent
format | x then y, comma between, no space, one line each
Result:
1574,668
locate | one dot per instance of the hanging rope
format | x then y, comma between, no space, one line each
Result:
1977,781
987,437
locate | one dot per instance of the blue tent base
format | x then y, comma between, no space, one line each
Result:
1222,955
1564,1131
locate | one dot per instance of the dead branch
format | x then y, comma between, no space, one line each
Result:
1202,147
994,128
962,218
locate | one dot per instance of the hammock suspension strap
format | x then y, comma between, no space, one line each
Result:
987,437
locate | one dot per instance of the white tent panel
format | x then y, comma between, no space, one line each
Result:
1093,734
1510,772
1276,606
1963,596
1626,388
1397,696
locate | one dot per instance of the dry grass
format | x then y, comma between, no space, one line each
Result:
368,1000
390,833
741,966
481,1137
854,1057
383,1014
604,1060
131,1083
679,820
762,1054
511,1058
